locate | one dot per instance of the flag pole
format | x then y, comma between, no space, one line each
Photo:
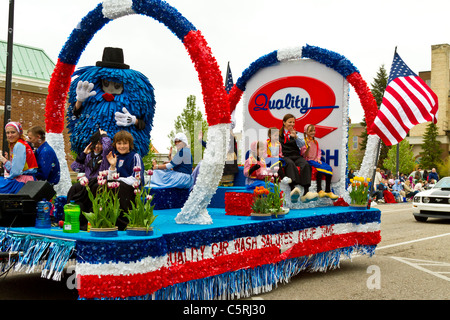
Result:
378,151
8,79
398,144
398,160
377,154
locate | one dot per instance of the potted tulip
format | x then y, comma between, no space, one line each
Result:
268,201
359,193
105,206
140,216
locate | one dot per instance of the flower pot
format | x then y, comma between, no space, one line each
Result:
279,215
139,231
261,216
358,206
104,232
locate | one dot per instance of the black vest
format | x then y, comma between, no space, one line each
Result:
289,148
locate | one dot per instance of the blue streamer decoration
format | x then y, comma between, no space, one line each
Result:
329,58
166,14
82,35
38,252
264,61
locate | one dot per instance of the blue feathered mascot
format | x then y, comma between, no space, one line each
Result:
112,97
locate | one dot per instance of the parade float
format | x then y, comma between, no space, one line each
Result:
205,244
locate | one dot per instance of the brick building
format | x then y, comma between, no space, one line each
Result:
31,73
438,79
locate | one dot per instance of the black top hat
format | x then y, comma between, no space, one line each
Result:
112,58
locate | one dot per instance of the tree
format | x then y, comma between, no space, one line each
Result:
190,122
149,157
379,85
431,148
406,158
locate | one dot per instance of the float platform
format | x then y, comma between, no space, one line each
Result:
234,257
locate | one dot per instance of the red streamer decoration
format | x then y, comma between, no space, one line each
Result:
238,203
366,98
215,97
56,98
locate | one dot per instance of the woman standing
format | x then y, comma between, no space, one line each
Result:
22,166
290,146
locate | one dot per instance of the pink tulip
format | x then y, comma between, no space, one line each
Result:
84,181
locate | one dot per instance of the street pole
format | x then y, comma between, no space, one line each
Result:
9,60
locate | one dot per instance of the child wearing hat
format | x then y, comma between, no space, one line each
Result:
312,153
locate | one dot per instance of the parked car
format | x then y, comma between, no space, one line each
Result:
433,203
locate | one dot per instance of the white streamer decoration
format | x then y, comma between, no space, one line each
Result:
211,168
56,141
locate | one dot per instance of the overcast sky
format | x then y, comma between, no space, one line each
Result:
239,32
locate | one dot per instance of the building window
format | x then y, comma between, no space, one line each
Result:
355,142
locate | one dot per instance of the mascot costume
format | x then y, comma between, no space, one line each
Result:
112,97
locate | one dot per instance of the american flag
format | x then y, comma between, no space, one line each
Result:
229,79
407,102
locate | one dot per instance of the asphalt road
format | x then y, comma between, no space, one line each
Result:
412,262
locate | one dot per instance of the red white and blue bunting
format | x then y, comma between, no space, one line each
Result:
246,259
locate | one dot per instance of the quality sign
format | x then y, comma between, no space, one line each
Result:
313,93
308,99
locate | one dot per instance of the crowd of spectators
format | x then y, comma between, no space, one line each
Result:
388,188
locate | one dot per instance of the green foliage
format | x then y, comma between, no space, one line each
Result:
190,122
379,85
443,168
268,199
105,204
359,193
431,148
406,158
141,212
149,158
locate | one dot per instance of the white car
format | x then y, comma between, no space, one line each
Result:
433,203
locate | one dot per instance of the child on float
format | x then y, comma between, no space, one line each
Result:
22,165
126,165
273,149
290,146
88,164
176,173
312,153
255,169
48,163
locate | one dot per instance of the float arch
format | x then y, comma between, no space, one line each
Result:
214,95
